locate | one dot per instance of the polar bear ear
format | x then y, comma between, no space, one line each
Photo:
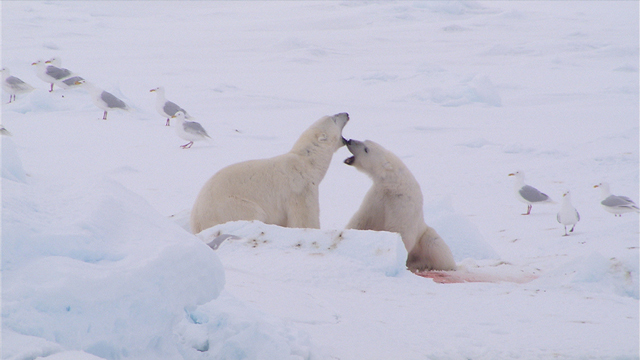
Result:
322,137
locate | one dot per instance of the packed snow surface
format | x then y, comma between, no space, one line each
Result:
97,259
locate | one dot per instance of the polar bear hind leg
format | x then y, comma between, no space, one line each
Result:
234,209
430,253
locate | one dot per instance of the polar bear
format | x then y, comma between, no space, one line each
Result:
394,203
282,190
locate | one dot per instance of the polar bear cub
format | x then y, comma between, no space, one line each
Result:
282,190
394,203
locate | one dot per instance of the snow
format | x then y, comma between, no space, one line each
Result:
96,260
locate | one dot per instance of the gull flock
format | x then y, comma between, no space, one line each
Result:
568,215
51,72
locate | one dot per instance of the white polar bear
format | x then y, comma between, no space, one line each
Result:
282,190
394,203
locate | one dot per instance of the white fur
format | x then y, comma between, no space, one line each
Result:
394,203
282,190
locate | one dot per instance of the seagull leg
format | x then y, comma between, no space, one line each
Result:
167,124
573,227
50,90
187,145
528,210
104,117
565,231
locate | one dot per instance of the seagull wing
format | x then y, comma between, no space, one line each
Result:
532,194
12,80
195,128
72,80
171,108
616,201
112,101
57,73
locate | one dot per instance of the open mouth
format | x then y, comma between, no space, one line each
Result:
350,160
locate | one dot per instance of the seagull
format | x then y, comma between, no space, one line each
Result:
568,215
49,73
189,130
528,194
166,107
104,100
615,204
13,85
67,82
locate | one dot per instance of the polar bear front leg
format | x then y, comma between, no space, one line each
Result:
303,212
430,253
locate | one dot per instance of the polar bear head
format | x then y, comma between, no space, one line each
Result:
374,160
323,136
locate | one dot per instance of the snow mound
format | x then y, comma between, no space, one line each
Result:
477,89
91,266
226,329
596,273
376,251
462,236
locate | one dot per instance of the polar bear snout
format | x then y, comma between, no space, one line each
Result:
354,146
341,119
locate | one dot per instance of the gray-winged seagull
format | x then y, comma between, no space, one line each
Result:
104,100
66,82
189,130
528,194
166,107
568,215
13,85
615,204
49,73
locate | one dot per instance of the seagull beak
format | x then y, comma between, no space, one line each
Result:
595,186
34,63
512,174
152,90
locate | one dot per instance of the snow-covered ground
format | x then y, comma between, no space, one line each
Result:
96,263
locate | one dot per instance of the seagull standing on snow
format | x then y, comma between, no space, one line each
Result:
528,194
568,215
49,73
189,130
166,107
68,81
104,100
13,85
617,205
